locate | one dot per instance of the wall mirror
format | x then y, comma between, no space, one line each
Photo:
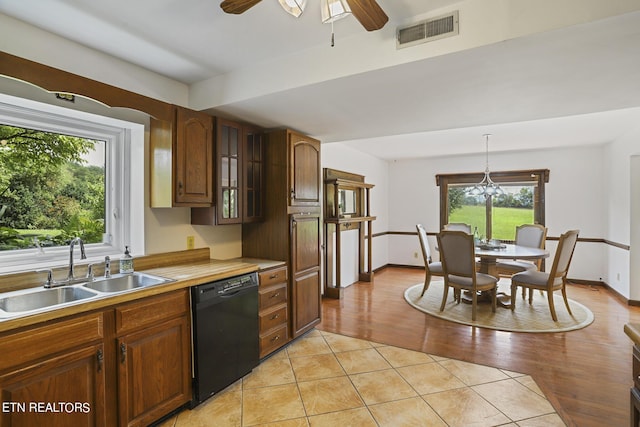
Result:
347,202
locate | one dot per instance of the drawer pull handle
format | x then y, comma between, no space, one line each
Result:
273,276
276,338
275,316
277,294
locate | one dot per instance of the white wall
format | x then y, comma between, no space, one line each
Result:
622,199
375,171
575,177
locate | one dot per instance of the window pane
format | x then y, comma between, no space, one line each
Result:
224,141
233,142
224,172
512,209
52,188
233,204
233,172
467,209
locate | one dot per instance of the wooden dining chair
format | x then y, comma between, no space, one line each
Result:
458,226
430,268
555,280
529,235
457,252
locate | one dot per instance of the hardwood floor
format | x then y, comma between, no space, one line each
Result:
586,374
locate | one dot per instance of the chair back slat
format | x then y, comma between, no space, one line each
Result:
457,253
531,235
458,226
424,243
564,253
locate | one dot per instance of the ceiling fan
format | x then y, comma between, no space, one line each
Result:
367,12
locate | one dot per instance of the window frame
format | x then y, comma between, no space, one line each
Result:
124,193
535,176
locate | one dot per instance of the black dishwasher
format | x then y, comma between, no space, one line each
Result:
225,333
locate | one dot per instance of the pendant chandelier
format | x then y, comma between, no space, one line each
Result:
486,187
332,10
294,7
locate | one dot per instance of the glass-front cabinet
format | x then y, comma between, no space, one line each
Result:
229,178
253,170
239,182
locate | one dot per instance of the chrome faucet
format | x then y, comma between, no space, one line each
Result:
107,267
70,278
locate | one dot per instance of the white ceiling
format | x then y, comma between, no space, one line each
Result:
572,86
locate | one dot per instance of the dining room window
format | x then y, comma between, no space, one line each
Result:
494,217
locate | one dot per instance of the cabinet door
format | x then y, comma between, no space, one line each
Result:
154,374
304,172
193,158
229,178
305,265
253,170
67,390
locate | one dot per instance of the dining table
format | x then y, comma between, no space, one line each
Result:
490,253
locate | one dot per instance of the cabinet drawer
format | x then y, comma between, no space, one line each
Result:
273,317
270,277
272,295
273,340
35,343
150,311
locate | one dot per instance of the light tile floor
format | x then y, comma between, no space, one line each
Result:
324,379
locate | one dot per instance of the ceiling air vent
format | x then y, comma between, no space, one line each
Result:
429,30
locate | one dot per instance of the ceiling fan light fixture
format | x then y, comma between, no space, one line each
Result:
293,7
332,10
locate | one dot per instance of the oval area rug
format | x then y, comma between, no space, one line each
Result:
534,317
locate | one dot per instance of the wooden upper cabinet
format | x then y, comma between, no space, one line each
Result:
304,170
239,179
193,158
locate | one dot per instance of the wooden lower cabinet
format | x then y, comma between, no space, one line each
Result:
305,272
67,390
154,357
129,366
55,375
635,390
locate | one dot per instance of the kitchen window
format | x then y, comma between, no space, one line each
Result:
495,217
102,199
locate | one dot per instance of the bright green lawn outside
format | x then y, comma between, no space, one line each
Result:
505,220
40,232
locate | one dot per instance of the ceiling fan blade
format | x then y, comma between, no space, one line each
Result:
368,13
238,6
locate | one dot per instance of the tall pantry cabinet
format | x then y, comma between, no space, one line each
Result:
292,222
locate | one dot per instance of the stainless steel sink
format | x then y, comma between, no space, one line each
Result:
43,299
126,282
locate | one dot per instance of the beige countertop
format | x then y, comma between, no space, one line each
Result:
185,274
633,331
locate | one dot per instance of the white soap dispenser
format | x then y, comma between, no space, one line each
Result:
126,262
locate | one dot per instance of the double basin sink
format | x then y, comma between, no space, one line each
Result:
35,300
